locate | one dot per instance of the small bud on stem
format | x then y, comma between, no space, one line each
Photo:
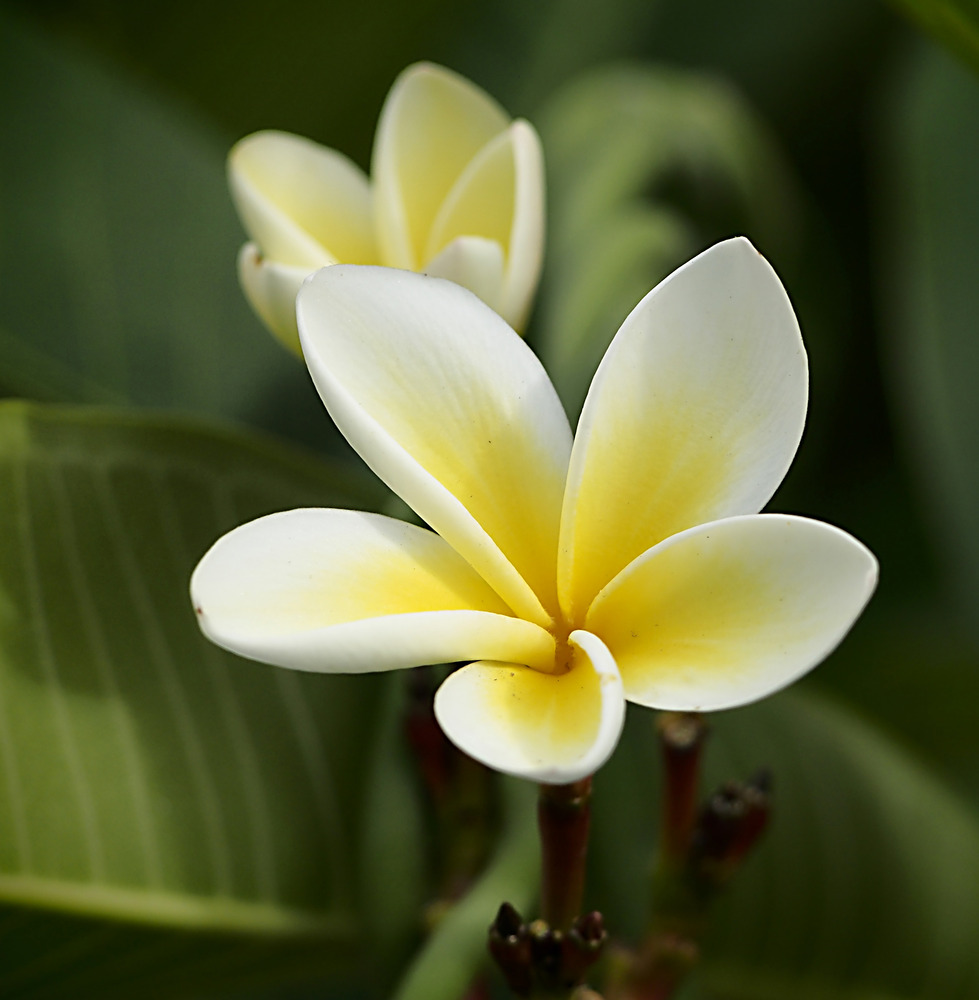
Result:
729,825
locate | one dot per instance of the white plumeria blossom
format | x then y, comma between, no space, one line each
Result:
627,563
457,191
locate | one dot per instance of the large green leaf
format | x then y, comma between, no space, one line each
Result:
646,167
930,299
145,776
864,887
456,951
118,249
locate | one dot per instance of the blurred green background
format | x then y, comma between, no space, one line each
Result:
283,838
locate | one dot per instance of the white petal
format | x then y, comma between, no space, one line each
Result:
481,200
271,290
500,196
452,410
475,263
544,727
729,612
432,124
694,414
526,253
345,591
302,203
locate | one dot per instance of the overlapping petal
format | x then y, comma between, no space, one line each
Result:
475,263
726,613
453,411
271,290
432,125
303,204
547,728
525,253
481,200
347,591
694,414
500,196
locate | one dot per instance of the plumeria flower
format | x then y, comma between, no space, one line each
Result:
626,564
457,191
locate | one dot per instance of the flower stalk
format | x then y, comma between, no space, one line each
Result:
564,819
682,736
547,958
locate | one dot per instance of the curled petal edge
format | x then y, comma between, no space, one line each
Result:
474,709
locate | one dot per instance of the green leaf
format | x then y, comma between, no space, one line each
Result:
50,956
930,300
864,885
456,950
118,250
954,23
146,776
646,167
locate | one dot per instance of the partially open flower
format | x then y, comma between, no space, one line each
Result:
627,564
457,191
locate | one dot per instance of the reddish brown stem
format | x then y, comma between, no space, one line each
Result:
682,736
564,817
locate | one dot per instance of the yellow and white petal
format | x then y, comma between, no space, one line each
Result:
432,125
271,290
729,612
475,263
526,252
452,410
552,728
302,203
694,414
500,196
481,202
345,591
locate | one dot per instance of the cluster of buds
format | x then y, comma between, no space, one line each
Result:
538,959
